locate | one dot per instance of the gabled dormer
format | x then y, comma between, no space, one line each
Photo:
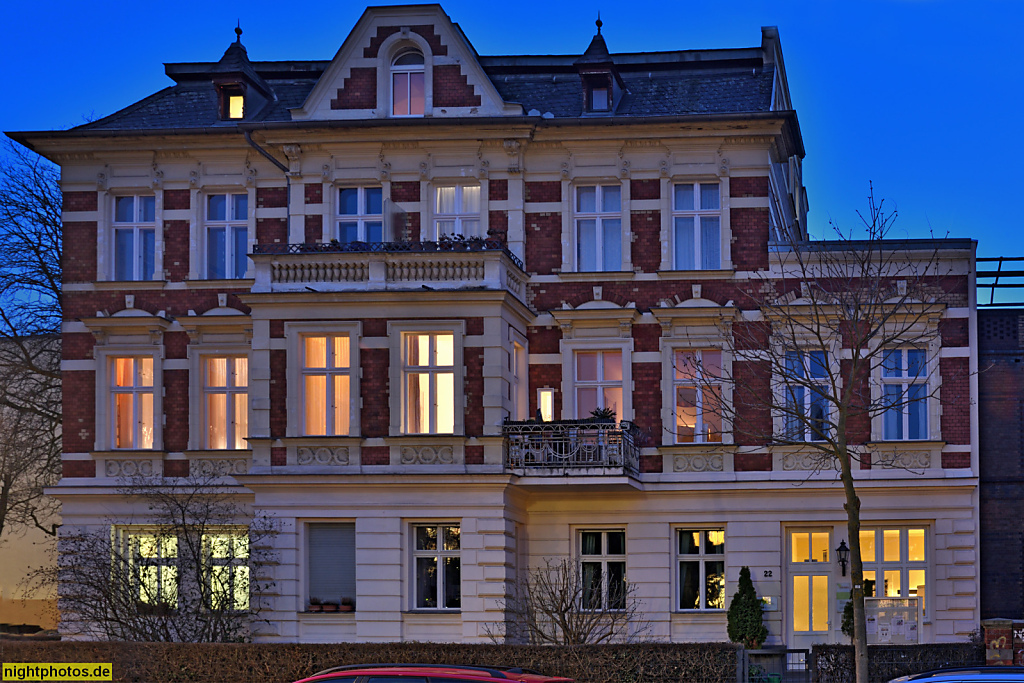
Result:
601,83
407,61
241,93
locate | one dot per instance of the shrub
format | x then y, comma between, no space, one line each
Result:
746,625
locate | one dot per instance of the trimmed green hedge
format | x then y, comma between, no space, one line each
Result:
834,663
188,663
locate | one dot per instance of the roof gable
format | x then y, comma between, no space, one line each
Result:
357,84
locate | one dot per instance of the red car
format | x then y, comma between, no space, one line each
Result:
426,673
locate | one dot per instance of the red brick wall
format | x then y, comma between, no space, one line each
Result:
271,197
544,339
78,255
956,460
80,201
474,326
375,455
278,456
645,189
358,90
278,393
651,464
474,455
271,231
954,332
173,302
753,421
544,191
175,345
79,415
546,376
277,329
313,193
374,390
543,243
314,229
78,468
647,402
474,387
176,402
752,462
176,250
426,31
956,400
76,346
412,227
408,191
749,238
858,423
646,338
497,190
175,468
452,88
646,251
749,187
177,200
497,225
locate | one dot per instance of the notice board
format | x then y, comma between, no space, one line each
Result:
893,621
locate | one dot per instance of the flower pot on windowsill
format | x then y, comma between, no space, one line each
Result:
346,608
314,608
330,607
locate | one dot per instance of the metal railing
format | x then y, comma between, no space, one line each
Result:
556,447
454,245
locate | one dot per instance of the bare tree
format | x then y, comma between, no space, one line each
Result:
837,336
557,605
193,568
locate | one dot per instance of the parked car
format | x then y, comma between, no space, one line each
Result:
967,674
426,673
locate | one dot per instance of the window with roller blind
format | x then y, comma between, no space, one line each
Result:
332,562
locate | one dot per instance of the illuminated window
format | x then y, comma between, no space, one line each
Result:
227,236
360,214
225,387
598,382
698,396
232,102
438,570
807,407
428,378
603,569
905,394
546,403
131,394
696,231
408,94
598,217
235,106
226,570
134,238
809,570
154,561
895,562
701,557
457,210
326,385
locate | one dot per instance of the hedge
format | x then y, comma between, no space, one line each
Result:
223,663
835,663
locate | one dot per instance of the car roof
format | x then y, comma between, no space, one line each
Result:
468,673
967,673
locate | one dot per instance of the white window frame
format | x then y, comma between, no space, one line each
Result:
702,557
129,541
295,334
701,384
362,217
397,334
230,224
706,339
461,216
905,381
604,558
409,70
904,565
138,228
106,413
235,564
232,390
695,215
519,376
439,554
569,348
806,434
599,217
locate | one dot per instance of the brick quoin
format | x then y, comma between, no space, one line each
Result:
756,186
278,456
271,231
314,229
645,189
497,190
175,345
176,403
277,329
646,251
375,455
497,225
474,455
358,90
543,191
79,416
373,388
278,393
424,30
176,468
546,376
78,468
177,200
544,339
646,337
80,201
954,332
956,400
452,88
749,238
176,250
752,462
647,402
78,255
407,191
76,346
474,387
313,193
543,242
956,460
271,197
753,420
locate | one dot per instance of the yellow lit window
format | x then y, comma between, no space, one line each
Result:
236,104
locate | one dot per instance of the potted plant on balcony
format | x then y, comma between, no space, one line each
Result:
347,605
602,415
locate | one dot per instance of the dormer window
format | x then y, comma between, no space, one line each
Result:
232,102
408,94
598,92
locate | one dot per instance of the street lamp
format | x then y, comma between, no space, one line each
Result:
843,554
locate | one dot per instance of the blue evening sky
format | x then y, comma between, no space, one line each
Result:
922,97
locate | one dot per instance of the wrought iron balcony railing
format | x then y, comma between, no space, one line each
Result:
572,446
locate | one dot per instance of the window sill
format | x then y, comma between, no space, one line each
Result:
922,445
440,613
130,284
717,274
597,276
699,613
235,283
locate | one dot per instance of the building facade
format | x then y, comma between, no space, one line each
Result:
349,286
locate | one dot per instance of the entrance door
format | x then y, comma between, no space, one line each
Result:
809,587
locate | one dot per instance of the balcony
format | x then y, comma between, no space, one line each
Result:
572,447
380,266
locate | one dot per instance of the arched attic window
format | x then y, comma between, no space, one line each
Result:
408,94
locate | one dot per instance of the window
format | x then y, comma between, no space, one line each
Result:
227,236
326,385
895,558
807,410
598,382
701,557
232,101
134,238
428,372
438,569
226,401
698,395
905,394
599,228
809,571
131,395
457,210
332,562
517,388
360,214
153,559
546,403
599,100
603,569
408,95
226,568
696,220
